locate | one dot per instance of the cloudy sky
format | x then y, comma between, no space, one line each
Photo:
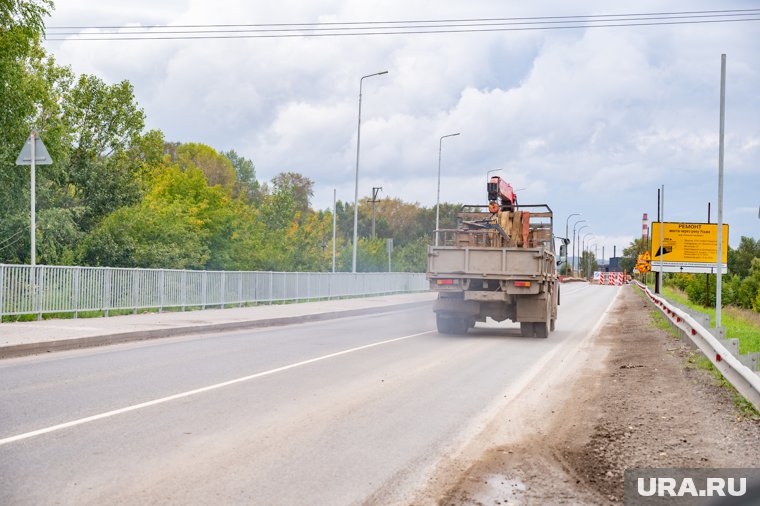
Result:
589,120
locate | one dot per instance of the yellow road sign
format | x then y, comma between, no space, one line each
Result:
687,247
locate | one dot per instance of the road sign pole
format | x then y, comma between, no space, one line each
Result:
718,278
33,155
34,206
662,231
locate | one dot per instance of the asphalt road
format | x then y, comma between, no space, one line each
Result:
338,412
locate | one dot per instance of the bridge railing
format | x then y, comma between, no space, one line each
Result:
56,289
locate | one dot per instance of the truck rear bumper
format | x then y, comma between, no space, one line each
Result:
486,296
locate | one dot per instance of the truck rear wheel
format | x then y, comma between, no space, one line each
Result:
443,324
542,329
452,324
526,329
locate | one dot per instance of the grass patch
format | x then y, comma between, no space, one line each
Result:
740,324
662,323
745,408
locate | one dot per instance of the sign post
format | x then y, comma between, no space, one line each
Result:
33,153
718,283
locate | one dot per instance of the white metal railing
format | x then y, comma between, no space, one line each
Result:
55,289
745,380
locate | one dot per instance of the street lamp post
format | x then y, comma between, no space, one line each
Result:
567,237
574,246
438,197
356,184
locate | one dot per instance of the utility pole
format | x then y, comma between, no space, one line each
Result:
375,191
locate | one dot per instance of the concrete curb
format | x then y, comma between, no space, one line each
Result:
21,350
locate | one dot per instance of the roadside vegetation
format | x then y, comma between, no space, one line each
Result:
120,196
695,359
739,323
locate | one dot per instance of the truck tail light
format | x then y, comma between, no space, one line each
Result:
444,281
522,283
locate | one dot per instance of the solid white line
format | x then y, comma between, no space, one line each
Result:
189,393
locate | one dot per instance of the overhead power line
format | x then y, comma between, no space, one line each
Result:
408,27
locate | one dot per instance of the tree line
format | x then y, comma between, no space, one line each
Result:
117,195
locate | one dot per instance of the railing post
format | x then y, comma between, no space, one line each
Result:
77,281
183,289
240,289
162,284
107,290
135,288
2,291
41,278
271,287
224,288
204,286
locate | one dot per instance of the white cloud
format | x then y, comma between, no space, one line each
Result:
590,121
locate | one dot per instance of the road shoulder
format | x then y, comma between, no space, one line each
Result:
633,399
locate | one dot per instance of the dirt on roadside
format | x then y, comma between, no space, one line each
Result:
646,405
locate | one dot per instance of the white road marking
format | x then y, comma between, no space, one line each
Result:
189,393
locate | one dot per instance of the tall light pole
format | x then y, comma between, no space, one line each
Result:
574,247
567,237
356,185
438,197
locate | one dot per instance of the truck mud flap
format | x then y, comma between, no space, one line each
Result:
533,308
459,306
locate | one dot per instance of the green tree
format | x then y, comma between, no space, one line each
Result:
21,92
748,292
246,185
411,257
217,168
24,16
588,264
300,186
740,259
147,235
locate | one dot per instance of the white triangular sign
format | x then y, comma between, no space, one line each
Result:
41,155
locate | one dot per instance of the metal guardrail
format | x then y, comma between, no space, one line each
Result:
745,380
54,289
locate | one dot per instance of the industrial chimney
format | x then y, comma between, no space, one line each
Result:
644,227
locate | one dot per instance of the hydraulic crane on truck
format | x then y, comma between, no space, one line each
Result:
500,195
